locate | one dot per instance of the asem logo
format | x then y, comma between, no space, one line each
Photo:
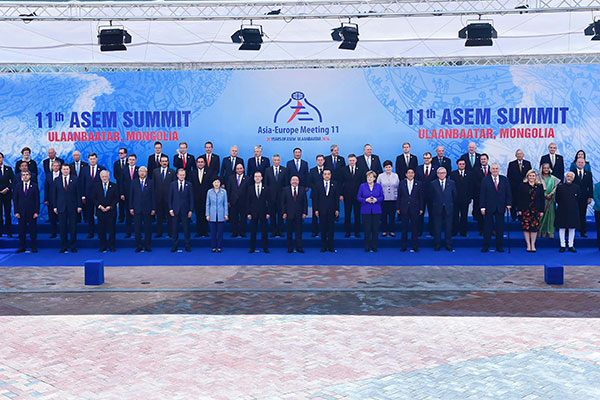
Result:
300,109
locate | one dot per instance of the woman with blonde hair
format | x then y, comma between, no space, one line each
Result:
530,208
549,183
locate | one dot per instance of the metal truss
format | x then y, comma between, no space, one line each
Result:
272,9
588,58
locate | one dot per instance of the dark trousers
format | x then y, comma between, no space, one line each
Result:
5,217
201,222
67,223
410,222
443,221
426,206
276,218
53,219
140,219
597,217
88,215
582,213
28,225
351,206
459,219
388,216
326,222
237,217
106,228
162,214
476,213
493,221
216,234
314,223
371,227
123,211
128,218
294,227
182,217
264,232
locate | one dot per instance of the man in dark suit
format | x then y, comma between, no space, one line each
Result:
162,178
410,207
517,170
67,204
236,199
495,198
584,179
426,174
142,206
119,168
295,209
464,194
441,161
154,159
326,201
27,210
90,178
47,163
351,178
7,178
315,178
405,161
369,161
212,160
275,181
22,168
229,163
257,198
201,183
556,161
77,165
181,202
106,197
183,160
298,167
128,175
443,196
471,158
478,176
334,162
258,162
48,196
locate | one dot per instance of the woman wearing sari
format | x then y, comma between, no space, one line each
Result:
549,182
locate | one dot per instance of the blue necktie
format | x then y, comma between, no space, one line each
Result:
142,186
105,189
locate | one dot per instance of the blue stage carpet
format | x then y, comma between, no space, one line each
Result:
279,256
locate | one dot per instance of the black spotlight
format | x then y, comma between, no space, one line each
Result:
113,38
593,30
347,34
478,34
250,36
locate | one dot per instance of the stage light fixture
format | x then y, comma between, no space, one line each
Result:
478,33
113,38
593,30
347,34
250,36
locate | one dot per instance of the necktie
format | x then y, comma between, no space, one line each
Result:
1,171
496,183
426,171
407,160
368,159
66,184
181,186
200,176
258,162
77,168
276,173
462,174
142,186
581,174
158,159
320,171
105,189
485,171
443,185
233,163
239,178
334,162
208,160
93,172
164,173
122,163
26,188
353,170
440,160
552,159
326,188
131,172
298,165
183,157
257,191
472,160
520,167
409,188
295,194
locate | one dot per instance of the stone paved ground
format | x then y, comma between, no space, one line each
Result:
300,333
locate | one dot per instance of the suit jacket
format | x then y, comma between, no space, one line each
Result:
118,171
478,176
339,165
425,181
69,200
200,189
48,166
110,200
17,179
558,169
142,202
567,206
32,166
293,171
586,185
350,183
410,203
516,176
467,159
402,167
27,204
162,186
49,188
81,165
86,181
7,178
361,162
227,169
441,199
275,185
294,208
215,163
464,186
216,205
258,207
181,202
495,200
126,180
446,163
523,198
364,192
323,203
252,168
152,164
190,164
235,192
314,179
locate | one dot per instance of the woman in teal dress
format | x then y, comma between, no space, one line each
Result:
550,182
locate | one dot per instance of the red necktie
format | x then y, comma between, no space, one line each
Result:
496,184
93,172
426,172
183,158
208,160
295,194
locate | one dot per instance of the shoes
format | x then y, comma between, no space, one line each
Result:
214,250
197,235
384,234
266,251
315,234
290,250
484,249
300,250
331,250
9,235
21,250
463,234
73,250
392,234
158,235
53,236
128,235
449,248
138,250
347,235
188,248
499,250
61,251
34,250
572,250
234,235
528,250
90,235
219,250
102,250
584,235
243,235
148,249
562,249
273,235
403,249
112,249
367,250
357,235
374,250
414,250
534,251
436,248
173,249
251,251
323,250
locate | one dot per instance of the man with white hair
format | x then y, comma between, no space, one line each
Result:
495,198
556,161
47,163
516,172
105,198
567,211
142,206
258,162
229,163
471,158
442,192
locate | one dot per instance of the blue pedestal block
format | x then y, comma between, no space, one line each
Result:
94,272
554,274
